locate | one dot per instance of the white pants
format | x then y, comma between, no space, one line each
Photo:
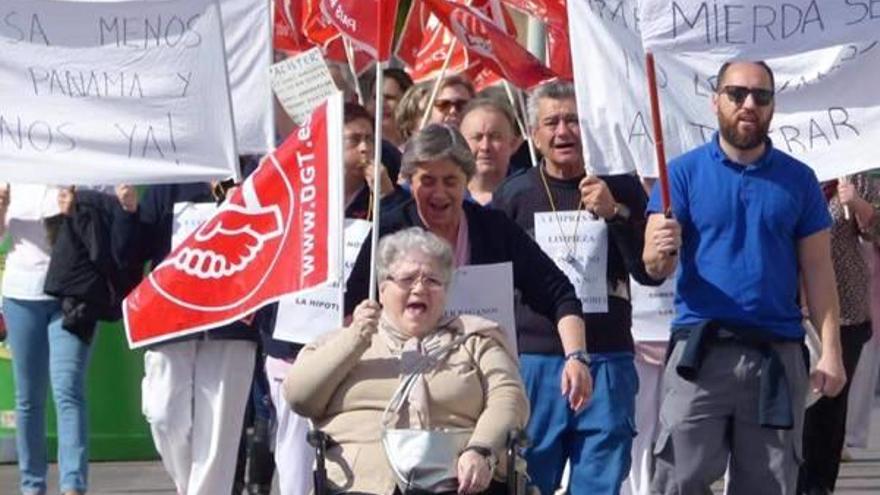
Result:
861,392
294,456
194,396
647,417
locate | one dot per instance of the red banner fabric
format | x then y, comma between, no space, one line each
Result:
367,23
271,237
499,51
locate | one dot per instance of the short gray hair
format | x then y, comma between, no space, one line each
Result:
434,143
394,247
554,90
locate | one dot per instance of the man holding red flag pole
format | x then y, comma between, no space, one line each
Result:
744,221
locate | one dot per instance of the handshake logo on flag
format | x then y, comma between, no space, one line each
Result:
228,243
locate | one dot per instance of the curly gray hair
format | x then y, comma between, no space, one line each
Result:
393,247
554,90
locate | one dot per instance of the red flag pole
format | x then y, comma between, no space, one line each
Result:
657,122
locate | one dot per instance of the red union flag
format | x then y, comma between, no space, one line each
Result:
425,42
559,51
549,11
500,52
368,23
270,238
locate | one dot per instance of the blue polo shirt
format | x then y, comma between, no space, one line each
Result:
740,229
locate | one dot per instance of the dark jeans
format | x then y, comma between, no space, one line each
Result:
825,421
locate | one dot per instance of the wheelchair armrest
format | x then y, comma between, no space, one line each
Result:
319,440
517,440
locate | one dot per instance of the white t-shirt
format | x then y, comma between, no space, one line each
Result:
27,261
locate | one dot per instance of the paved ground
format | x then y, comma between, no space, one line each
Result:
861,476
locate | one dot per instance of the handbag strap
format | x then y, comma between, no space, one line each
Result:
403,390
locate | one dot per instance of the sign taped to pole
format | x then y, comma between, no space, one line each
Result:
86,100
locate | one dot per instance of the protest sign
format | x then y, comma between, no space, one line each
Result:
113,92
270,238
750,29
826,111
652,310
486,291
301,83
306,315
189,216
247,31
578,243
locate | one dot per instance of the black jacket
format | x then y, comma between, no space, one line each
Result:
92,266
494,238
522,196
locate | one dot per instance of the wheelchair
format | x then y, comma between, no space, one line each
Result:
516,479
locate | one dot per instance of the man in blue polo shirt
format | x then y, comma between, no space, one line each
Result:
747,221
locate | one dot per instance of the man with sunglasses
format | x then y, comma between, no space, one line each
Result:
746,220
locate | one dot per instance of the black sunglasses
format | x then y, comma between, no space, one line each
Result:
445,105
738,94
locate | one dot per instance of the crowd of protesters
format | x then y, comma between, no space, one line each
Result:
756,247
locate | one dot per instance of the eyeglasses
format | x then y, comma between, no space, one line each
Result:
445,105
738,94
407,282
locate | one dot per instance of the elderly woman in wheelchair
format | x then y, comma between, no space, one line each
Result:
414,402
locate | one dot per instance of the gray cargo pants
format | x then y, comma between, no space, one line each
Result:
711,423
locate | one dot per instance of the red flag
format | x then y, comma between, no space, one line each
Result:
481,76
425,42
553,13
559,51
499,52
368,23
335,50
287,34
549,11
271,237
299,26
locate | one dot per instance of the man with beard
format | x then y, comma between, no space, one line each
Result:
746,221
592,227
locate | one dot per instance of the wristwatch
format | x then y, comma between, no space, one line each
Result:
579,355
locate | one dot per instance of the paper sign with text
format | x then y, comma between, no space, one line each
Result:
188,217
755,30
102,93
301,83
826,110
306,315
247,30
652,310
486,291
247,33
578,244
